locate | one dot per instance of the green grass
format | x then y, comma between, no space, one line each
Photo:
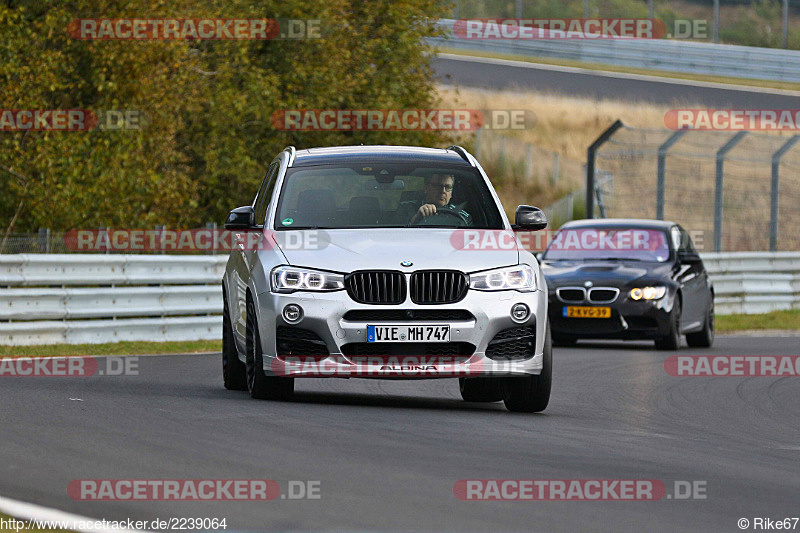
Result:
116,348
629,70
789,320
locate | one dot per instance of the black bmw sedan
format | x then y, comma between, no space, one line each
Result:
628,279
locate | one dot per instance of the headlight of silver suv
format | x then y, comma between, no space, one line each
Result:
518,278
290,279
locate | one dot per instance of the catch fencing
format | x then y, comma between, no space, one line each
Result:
739,190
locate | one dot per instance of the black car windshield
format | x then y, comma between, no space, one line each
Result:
608,244
372,194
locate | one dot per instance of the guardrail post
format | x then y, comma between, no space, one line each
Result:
718,196
591,154
716,21
478,144
662,171
775,191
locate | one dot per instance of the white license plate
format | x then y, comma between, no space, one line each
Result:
393,333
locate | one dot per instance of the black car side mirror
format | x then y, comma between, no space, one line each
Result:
530,218
241,218
689,258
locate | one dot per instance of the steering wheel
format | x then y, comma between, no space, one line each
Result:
441,219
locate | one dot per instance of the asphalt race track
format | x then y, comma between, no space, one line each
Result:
503,75
387,454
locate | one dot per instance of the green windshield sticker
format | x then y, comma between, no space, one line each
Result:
288,221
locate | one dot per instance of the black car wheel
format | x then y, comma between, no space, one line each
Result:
672,340
705,337
481,389
234,373
261,386
531,394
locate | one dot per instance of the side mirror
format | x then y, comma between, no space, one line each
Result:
241,218
689,258
530,218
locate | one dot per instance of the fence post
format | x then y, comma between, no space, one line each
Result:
213,227
555,168
502,164
662,170
718,196
775,191
528,162
44,240
591,154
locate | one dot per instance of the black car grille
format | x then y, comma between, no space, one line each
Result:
513,343
602,295
377,287
368,349
571,295
299,342
407,315
438,286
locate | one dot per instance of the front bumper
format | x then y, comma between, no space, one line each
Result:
344,340
630,319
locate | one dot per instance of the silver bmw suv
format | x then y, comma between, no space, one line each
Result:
385,262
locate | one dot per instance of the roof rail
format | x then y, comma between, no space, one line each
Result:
463,153
292,154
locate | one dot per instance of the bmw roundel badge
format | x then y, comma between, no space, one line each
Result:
406,263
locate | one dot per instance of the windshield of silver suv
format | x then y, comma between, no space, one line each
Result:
373,194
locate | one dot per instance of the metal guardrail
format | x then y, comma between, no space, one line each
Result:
99,298
656,54
754,282
179,297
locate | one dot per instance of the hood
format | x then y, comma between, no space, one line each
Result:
601,273
346,250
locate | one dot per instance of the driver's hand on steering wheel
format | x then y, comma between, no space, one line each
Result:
424,211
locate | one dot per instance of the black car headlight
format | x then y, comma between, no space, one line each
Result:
648,293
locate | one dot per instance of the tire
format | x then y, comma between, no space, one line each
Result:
705,337
261,386
531,394
234,372
672,340
564,340
481,389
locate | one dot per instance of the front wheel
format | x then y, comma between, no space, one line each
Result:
234,374
672,340
261,386
705,337
531,394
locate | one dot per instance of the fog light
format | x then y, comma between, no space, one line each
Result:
293,313
520,312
